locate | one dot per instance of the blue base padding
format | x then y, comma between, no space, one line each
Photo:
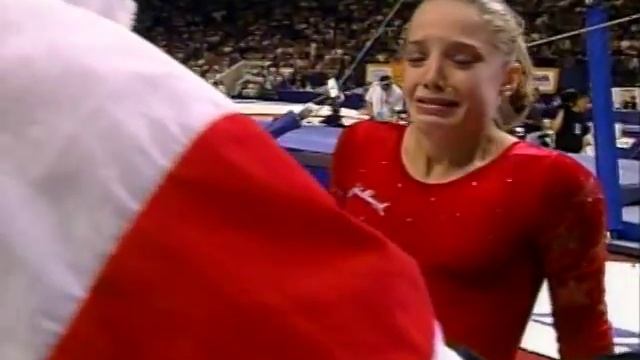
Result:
630,232
316,139
321,174
286,123
627,117
599,62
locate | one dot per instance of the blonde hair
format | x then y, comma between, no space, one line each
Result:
508,28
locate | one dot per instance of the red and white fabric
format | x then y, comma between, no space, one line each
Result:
141,217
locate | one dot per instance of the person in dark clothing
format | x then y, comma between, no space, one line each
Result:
335,118
630,104
571,125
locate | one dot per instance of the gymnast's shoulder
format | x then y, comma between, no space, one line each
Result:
565,173
550,158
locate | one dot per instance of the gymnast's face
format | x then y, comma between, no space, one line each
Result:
583,104
454,73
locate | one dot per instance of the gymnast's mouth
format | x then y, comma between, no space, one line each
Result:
436,106
437,101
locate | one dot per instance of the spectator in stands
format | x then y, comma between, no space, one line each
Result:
220,86
571,125
300,82
384,99
487,217
630,104
540,111
252,83
312,35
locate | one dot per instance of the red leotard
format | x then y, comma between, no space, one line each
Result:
486,241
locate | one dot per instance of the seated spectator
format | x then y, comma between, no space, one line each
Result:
220,86
571,126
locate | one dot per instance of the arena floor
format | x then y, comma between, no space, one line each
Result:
623,300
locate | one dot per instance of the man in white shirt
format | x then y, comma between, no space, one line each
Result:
384,99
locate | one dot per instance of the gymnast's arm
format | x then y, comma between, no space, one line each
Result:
573,249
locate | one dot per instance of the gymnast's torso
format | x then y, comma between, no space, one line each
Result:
485,241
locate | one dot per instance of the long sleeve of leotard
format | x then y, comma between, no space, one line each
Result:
573,248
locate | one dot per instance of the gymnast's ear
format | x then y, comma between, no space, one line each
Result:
519,79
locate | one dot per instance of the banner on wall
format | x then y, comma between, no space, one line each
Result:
546,80
393,69
626,99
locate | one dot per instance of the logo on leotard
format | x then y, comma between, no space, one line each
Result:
369,197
